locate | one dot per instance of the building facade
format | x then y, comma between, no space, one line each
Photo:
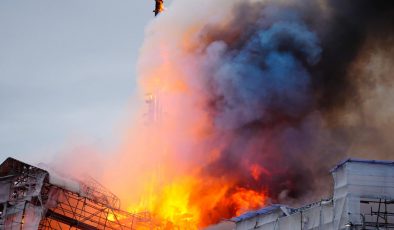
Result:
363,198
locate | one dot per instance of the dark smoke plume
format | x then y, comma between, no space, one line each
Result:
280,84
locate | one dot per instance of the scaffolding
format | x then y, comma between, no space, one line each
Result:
376,214
33,198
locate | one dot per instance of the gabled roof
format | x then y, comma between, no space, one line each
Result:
251,214
355,160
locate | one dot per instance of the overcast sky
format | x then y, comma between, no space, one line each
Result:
67,73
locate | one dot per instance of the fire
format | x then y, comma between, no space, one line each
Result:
192,202
116,216
161,6
257,170
245,200
171,204
174,205
163,163
111,217
168,182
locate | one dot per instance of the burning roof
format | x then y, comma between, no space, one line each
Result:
33,198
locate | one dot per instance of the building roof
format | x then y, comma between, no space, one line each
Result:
286,210
251,214
12,166
355,160
85,187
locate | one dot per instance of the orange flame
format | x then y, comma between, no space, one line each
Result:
161,8
257,170
246,200
160,168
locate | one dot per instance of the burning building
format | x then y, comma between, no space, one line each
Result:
258,99
34,198
363,199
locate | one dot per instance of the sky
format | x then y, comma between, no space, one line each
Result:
67,73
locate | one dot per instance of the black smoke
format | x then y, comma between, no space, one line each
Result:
280,83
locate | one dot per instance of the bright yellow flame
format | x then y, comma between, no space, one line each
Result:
111,217
175,202
171,204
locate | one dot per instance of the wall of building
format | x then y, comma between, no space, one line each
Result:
363,199
362,181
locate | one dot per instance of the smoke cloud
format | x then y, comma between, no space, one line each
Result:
258,96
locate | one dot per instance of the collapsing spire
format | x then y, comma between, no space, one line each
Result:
159,7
